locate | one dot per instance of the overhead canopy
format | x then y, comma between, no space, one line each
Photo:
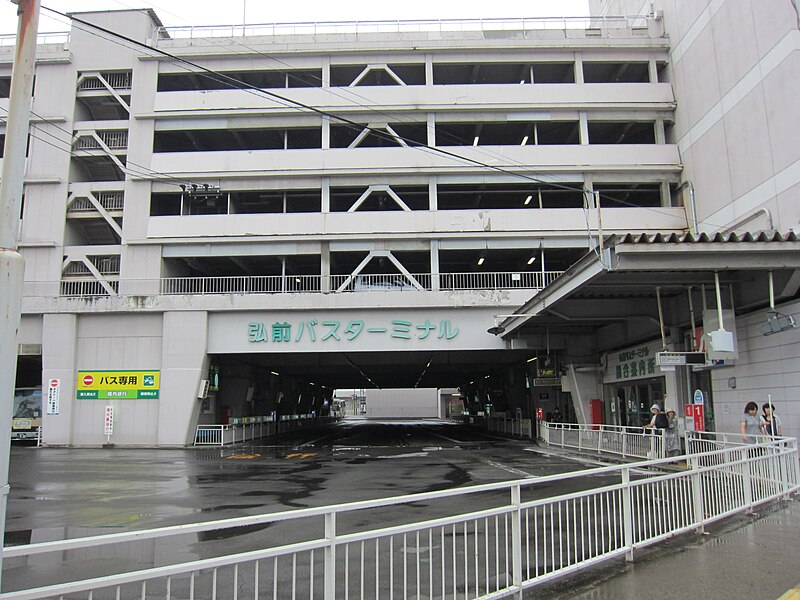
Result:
618,287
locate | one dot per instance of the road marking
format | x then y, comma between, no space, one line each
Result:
512,470
586,461
792,594
301,455
243,456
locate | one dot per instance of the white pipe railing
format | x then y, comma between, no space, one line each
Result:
628,442
252,428
520,534
278,284
510,426
571,26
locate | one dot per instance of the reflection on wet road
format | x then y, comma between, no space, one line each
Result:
88,489
67,493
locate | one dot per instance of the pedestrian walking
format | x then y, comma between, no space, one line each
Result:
750,423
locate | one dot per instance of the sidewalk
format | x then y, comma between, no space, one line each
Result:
749,557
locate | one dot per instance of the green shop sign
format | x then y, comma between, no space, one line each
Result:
635,363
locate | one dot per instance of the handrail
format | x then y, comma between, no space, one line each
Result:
503,531
278,284
317,28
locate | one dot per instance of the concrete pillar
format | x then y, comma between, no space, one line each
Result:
652,69
59,349
326,195
583,385
184,362
435,286
584,128
578,67
325,266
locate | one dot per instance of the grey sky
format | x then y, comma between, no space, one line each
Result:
194,12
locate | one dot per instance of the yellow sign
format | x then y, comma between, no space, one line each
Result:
118,385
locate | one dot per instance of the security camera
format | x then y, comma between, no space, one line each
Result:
777,322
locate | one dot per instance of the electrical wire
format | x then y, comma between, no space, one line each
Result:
137,170
249,88
287,102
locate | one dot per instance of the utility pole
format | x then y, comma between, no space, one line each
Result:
11,265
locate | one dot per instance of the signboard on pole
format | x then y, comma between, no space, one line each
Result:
53,396
118,385
695,417
108,422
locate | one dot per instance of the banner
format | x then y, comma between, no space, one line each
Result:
118,385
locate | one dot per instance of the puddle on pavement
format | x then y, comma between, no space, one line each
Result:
231,507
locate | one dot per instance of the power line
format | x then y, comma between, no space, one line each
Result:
286,102
238,84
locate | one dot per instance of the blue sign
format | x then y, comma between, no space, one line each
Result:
698,397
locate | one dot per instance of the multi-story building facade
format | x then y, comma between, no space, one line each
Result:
277,212
733,66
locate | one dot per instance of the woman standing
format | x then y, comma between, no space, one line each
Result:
750,423
672,440
770,421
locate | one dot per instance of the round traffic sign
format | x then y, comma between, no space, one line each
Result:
54,383
88,380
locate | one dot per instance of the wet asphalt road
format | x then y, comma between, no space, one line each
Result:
90,491
70,493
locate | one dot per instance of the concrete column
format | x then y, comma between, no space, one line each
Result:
326,132
583,128
429,69
666,194
59,351
184,362
431,119
435,265
652,69
326,195
578,67
433,194
325,266
326,71
661,135
583,387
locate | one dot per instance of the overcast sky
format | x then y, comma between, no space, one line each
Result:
208,12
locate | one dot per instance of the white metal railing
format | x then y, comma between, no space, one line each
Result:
108,200
246,284
517,534
277,284
118,80
51,37
570,26
628,442
510,426
114,140
251,428
86,288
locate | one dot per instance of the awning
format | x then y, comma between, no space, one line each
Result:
619,284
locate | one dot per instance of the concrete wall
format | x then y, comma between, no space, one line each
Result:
734,66
403,403
767,365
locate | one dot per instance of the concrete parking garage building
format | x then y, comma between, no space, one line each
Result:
248,219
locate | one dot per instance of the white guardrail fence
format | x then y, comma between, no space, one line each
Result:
627,442
244,429
511,536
